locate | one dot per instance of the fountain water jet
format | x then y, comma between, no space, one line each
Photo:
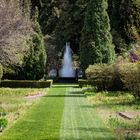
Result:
67,69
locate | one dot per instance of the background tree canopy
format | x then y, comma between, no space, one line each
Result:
20,38
69,20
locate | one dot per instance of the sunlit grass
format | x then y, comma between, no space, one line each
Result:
117,101
108,104
41,121
13,102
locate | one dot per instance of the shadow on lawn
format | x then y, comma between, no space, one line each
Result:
65,86
87,138
68,95
114,104
76,92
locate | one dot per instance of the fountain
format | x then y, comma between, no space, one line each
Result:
67,70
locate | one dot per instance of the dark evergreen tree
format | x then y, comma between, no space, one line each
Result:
96,41
70,24
125,19
1,72
36,62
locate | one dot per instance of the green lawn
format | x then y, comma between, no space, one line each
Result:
80,120
13,103
108,104
42,121
65,114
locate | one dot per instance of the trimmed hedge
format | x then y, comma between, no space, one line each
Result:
26,84
1,72
83,83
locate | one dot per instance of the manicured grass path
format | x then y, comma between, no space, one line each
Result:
80,121
63,114
42,121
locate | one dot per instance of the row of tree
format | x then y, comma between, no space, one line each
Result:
67,21
84,23
22,49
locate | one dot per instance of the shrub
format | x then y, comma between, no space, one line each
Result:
102,76
123,76
83,82
3,123
26,84
1,72
130,76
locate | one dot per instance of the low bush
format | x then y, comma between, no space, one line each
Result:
25,84
123,76
3,124
101,75
1,72
83,82
130,76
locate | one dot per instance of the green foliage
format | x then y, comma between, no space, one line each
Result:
108,103
96,41
2,112
36,25
26,84
3,123
66,18
1,72
35,63
102,76
83,83
14,103
124,18
123,124
115,77
70,24
35,120
49,14
130,75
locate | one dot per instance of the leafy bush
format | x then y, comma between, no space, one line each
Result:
3,123
124,76
130,76
102,75
83,82
1,72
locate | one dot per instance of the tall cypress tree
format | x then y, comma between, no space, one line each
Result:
35,64
96,41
